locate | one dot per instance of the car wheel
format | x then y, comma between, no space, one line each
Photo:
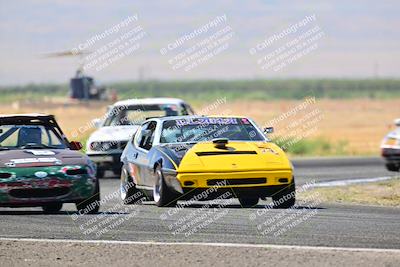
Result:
248,202
90,205
52,208
128,188
285,198
161,193
392,167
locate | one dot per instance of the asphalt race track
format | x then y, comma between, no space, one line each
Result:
352,226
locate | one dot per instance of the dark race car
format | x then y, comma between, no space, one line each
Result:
40,167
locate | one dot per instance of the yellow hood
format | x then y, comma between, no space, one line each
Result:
237,156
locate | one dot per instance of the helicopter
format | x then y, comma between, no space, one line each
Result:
82,86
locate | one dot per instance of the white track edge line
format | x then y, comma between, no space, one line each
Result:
239,245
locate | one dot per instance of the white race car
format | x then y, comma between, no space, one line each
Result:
391,148
123,118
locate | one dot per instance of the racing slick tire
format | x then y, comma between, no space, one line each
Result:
392,167
248,202
285,198
128,188
90,205
52,208
162,196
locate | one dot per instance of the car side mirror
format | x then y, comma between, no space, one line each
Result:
75,145
268,130
96,123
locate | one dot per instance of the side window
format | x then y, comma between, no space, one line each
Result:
146,135
139,133
189,109
184,110
9,136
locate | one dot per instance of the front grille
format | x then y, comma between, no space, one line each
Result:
39,192
243,181
213,153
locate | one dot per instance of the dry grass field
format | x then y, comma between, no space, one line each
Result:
361,123
357,124
386,193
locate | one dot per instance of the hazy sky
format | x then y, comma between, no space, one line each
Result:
357,38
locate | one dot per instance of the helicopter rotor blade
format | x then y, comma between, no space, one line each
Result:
67,53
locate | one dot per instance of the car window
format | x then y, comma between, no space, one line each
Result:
184,110
137,114
207,129
16,136
187,110
146,135
139,133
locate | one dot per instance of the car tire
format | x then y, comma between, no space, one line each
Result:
285,198
90,205
128,188
52,208
162,196
248,202
392,167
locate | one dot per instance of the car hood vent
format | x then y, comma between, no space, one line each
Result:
214,153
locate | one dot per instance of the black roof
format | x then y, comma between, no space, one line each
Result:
13,118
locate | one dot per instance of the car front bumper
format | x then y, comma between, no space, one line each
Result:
391,155
20,191
257,183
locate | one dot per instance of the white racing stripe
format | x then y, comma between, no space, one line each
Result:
237,245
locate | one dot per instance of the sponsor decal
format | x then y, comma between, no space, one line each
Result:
40,174
206,121
14,162
41,152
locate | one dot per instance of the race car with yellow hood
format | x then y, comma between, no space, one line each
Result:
177,158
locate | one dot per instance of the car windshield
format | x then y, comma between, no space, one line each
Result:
137,114
29,136
207,129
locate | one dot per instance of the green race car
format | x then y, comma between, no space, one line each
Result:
40,167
